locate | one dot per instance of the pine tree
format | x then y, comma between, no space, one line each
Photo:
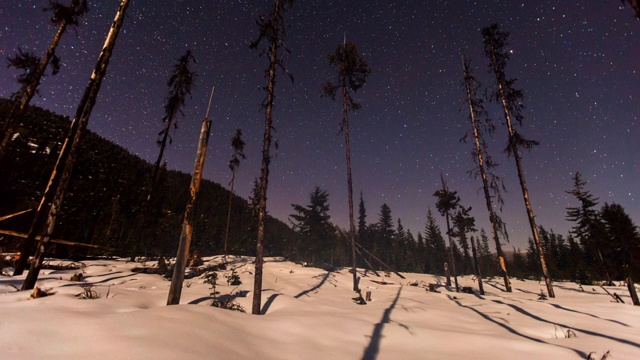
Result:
448,201
622,250
34,67
352,75
312,222
492,185
237,144
272,29
435,246
180,84
495,42
463,223
589,228
386,234
51,202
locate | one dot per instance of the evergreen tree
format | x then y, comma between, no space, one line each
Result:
589,228
312,222
237,144
435,246
448,201
386,234
486,259
272,29
495,43
492,184
352,75
623,240
463,223
399,259
45,218
34,67
180,84
362,218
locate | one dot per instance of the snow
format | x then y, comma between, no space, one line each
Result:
309,314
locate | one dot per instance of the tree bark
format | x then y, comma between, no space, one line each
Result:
476,266
523,183
452,259
51,202
175,290
266,159
485,183
352,231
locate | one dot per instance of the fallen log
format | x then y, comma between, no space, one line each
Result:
56,241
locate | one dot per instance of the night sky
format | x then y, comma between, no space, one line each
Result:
577,63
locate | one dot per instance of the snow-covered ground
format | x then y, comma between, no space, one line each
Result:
309,314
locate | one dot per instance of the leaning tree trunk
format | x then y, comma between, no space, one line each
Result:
352,229
28,91
266,159
523,183
45,218
175,290
493,218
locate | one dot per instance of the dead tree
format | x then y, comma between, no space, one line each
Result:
175,290
63,16
45,217
272,29
510,99
491,184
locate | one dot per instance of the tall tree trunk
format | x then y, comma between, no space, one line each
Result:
266,159
175,290
352,228
45,218
485,183
226,233
476,266
28,91
523,183
452,258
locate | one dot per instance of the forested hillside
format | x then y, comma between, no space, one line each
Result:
106,197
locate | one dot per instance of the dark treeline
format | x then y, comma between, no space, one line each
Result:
106,197
608,251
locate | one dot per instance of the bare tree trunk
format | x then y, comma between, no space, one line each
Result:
632,292
476,266
352,228
51,202
27,92
264,171
226,233
523,183
485,183
175,290
453,260
447,273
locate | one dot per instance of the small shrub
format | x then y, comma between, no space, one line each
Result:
88,292
233,278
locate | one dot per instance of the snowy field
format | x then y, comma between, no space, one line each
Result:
308,314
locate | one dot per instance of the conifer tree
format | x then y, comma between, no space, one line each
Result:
312,222
353,71
237,144
495,42
463,224
35,67
492,185
272,29
435,245
180,84
448,201
51,202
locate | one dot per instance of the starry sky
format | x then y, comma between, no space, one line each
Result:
577,63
